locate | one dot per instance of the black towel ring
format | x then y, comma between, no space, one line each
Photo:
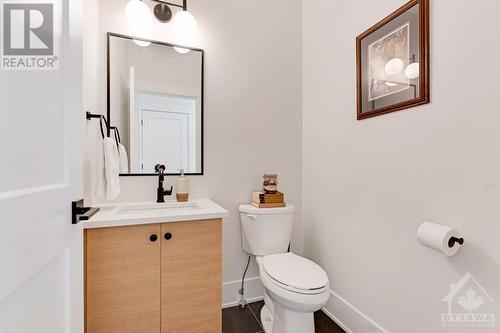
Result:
90,116
117,138
100,125
117,134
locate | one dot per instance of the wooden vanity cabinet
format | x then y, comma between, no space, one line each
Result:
191,277
157,278
122,279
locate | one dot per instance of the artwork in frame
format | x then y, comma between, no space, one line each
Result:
392,61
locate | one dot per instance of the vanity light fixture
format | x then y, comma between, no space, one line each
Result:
181,50
185,23
139,14
142,43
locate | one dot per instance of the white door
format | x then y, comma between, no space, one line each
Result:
40,174
165,140
168,133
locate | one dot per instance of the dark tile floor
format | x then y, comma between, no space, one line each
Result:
236,320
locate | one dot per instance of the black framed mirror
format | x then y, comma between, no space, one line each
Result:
156,104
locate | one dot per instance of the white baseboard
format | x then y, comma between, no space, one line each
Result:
348,317
254,291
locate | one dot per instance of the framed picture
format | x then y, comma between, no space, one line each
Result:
392,61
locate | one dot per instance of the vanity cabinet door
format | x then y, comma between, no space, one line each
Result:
191,277
122,279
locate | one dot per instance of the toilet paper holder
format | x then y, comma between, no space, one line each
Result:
454,240
440,238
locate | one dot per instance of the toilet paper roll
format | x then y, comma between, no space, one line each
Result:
437,237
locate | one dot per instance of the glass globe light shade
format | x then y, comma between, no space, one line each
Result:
413,70
142,43
185,23
394,66
138,14
181,50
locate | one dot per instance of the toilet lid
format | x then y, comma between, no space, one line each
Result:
294,271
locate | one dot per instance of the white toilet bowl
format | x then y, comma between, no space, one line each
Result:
297,287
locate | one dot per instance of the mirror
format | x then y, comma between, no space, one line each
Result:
155,104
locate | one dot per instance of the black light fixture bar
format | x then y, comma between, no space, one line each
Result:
183,6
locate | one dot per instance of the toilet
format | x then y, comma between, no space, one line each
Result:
295,287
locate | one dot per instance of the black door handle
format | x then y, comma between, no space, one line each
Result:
168,236
153,238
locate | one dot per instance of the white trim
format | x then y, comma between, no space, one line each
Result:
236,303
336,320
346,315
254,291
134,125
32,191
350,318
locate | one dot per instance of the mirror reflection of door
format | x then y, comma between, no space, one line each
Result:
167,132
156,102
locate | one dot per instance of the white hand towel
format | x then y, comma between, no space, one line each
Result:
112,166
100,173
123,158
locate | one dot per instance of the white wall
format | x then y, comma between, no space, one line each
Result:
253,104
91,92
368,185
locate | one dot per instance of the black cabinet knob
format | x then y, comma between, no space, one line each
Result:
168,236
153,238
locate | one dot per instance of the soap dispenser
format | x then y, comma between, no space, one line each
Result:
182,188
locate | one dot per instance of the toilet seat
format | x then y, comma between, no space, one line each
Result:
295,273
291,309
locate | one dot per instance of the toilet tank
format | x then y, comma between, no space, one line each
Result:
266,231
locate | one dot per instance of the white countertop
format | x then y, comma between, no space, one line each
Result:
123,214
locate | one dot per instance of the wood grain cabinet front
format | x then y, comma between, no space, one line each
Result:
191,277
158,278
122,279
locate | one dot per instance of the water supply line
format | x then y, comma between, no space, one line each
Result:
243,302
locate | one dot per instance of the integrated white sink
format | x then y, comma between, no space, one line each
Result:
157,208
123,214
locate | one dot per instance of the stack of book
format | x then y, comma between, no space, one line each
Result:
268,200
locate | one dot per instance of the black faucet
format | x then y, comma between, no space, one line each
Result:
161,193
